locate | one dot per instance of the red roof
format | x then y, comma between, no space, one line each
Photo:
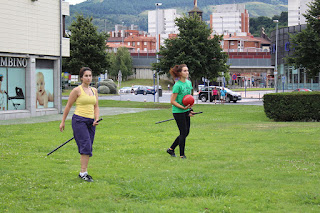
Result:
114,45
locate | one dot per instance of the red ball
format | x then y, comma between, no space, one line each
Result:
188,99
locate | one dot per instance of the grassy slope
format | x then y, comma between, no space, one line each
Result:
257,9
238,161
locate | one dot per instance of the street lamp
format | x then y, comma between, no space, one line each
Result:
276,59
157,46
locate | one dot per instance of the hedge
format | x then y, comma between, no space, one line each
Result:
293,106
108,83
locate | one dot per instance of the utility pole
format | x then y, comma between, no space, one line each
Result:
157,47
276,59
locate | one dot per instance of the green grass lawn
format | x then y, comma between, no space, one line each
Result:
238,161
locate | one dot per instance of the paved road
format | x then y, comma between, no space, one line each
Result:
58,117
252,98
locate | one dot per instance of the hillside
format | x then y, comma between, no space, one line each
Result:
130,12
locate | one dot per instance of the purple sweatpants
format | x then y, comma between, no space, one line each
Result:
83,133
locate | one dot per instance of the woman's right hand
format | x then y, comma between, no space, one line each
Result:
188,106
61,126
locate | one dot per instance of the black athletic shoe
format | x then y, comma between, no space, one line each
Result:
171,152
86,177
183,157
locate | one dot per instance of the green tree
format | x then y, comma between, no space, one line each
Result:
267,23
121,61
195,48
87,47
307,43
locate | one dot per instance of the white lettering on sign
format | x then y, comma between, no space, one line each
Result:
13,62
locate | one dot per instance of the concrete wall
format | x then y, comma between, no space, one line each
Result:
32,27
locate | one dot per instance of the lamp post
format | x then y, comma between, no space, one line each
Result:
157,46
276,59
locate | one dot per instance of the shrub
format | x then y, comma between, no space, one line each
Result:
103,90
293,106
108,83
112,86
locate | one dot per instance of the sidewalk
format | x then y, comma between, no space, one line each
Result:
58,117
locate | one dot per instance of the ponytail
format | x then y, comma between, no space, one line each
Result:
175,71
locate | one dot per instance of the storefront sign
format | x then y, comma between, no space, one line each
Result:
13,62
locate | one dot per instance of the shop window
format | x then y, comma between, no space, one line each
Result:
44,88
12,88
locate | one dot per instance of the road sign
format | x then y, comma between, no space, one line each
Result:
283,79
234,77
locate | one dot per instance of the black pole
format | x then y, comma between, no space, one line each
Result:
66,142
173,118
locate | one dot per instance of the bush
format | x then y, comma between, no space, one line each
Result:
294,106
112,86
108,83
103,90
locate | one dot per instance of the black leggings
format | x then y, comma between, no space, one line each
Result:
183,122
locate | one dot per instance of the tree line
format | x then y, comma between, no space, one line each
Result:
267,23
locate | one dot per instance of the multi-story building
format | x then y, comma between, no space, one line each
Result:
296,9
32,44
141,43
165,24
134,40
229,18
288,77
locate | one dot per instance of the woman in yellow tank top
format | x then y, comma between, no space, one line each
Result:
84,119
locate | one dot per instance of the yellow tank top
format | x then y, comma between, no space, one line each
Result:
85,104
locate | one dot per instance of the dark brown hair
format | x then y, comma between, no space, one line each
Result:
176,71
82,70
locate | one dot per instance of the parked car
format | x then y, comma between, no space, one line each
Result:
231,95
134,88
141,90
125,90
151,90
302,90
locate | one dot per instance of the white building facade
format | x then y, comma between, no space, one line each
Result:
296,9
32,44
229,18
166,24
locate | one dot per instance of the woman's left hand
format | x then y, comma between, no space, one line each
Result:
191,113
95,123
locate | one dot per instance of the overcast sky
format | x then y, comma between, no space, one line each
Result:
75,1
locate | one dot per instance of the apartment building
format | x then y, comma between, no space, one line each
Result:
229,18
32,44
166,24
296,9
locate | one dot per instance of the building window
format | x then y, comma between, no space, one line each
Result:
129,43
145,43
12,88
44,81
64,26
138,43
